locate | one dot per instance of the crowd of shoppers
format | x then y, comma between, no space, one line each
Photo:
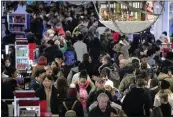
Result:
83,71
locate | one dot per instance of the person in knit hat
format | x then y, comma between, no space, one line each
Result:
109,86
70,100
42,62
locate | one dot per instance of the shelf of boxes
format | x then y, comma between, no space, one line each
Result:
17,23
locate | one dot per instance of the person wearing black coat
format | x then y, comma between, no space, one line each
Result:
154,88
138,101
94,50
52,51
44,94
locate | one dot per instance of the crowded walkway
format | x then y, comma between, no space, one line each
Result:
84,69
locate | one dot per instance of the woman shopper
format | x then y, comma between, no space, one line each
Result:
48,96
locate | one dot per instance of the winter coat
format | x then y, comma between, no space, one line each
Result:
53,100
80,49
137,102
96,112
126,82
34,84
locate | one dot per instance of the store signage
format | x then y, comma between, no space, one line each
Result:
22,53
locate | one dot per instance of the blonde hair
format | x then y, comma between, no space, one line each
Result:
164,92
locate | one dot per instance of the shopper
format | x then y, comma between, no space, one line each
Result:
102,109
36,82
138,101
80,48
48,94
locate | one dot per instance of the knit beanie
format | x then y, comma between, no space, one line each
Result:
72,91
109,83
42,60
165,84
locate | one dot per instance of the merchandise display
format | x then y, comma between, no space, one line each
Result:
22,54
17,23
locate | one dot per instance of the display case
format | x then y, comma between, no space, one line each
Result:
22,54
121,12
128,17
26,104
17,23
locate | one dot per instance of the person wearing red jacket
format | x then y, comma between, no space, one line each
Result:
60,31
115,36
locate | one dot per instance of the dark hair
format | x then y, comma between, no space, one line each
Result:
48,26
80,37
154,82
131,69
141,82
12,70
62,86
81,67
144,56
39,71
104,73
51,42
85,57
59,56
157,48
103,53
56,70
55,63
150,52
84,20
108,59
143,75
83,74
49,77
144,66
165,33
169,55
135,63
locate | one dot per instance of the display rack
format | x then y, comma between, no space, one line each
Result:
22,54
128,17
17,23
26,104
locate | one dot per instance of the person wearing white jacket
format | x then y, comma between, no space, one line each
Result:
80,48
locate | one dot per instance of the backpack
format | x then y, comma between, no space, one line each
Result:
70,113
156,112
114,76
69,57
